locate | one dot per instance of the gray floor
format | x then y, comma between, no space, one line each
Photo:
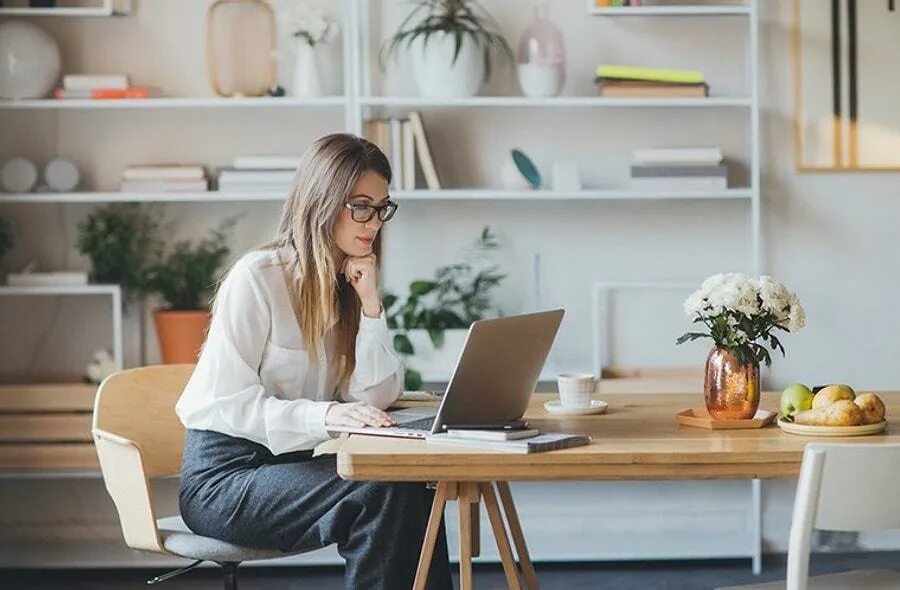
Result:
681,575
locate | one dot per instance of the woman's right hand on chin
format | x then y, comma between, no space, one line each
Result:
357,414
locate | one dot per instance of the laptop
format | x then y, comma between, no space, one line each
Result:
495,374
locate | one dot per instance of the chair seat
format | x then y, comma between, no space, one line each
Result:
855,580
177,538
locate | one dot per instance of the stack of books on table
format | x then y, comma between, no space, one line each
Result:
176,178
254,174
404,143
674,169
529,440
99,86
630,82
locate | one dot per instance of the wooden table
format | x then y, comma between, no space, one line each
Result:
637,439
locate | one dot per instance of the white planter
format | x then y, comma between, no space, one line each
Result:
438,76
306,80
435,364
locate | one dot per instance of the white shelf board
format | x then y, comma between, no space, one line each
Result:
122,197
586,195
475,194
61,290
560,101
686,10
62,11
173,103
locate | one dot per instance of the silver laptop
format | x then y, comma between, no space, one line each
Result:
495,374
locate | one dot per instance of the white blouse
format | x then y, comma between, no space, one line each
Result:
254,379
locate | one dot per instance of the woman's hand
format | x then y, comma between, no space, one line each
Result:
362,276
357,414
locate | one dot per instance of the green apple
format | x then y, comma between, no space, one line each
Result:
795,398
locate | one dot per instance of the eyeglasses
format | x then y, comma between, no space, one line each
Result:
362,213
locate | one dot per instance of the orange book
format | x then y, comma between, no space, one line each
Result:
625,90
104,93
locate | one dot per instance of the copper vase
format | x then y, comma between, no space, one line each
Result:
731,388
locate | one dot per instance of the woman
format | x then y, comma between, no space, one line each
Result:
298,342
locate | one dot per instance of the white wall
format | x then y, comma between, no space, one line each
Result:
830,237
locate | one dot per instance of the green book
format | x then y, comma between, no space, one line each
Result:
650,74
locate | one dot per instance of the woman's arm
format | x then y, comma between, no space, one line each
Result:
378,376
225,393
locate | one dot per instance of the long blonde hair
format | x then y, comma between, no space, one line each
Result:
321,296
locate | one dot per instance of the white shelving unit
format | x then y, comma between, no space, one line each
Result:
114,292
174,103
104,9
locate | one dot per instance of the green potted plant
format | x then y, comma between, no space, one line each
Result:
430,325
122,242
186,281
7,237
450,42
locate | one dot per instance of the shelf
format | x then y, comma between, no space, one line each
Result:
62,11
559,102
416,195
61,290
687,10
584,195
173,103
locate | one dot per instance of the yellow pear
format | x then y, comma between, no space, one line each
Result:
840,413
872,407
832,393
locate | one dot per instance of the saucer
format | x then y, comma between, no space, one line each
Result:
555,407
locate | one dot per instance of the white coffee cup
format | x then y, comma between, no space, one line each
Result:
576,389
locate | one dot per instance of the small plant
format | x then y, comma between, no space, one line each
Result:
458,295
312,25
186,278
122,242
7,237
461,18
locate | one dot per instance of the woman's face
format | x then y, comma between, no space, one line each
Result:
353,237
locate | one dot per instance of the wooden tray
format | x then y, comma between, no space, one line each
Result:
809,430
700,418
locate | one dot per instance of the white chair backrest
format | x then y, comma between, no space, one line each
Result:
842,487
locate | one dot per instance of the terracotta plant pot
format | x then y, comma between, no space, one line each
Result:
181,334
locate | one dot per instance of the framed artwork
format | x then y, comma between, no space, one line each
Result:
846,56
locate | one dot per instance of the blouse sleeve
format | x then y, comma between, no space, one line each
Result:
378,376
225,393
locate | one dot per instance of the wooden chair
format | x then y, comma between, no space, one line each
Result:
138,438
841,488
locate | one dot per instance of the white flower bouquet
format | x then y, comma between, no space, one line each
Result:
313,25
740,314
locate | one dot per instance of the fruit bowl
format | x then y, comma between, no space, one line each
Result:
809,430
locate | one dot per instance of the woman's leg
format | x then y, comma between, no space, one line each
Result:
378,527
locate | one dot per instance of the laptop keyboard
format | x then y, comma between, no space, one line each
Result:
420,424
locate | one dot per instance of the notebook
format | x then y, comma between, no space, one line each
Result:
549,441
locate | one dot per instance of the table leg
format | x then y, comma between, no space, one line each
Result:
468,495
515,530
476,528
506,556
431,534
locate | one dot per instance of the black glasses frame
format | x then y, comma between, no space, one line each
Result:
362,213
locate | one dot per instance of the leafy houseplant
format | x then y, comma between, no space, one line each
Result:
186,281
7,237
451,43
458,295
122,242
740,315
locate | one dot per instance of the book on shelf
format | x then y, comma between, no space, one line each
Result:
548,441
164,186
47,279
233,175
676,156
678,171
405,144
615,72
102,93
493,434
680,183
90,81
635,89
272,162
164,172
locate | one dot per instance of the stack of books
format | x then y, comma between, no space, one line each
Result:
510,441
630,82
258,174
404,143
673,169
176,178
99,86
616,3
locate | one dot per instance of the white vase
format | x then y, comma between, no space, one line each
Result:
438,76
306,81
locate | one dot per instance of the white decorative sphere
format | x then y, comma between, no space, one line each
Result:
29,61
511,178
